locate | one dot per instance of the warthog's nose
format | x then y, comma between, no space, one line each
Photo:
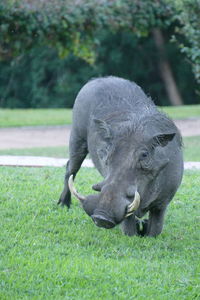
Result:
102,221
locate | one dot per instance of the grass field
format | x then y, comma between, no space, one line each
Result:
32,117
191,150
44,151
182,112
50,253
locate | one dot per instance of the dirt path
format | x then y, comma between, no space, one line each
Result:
52,136
189,127
33,137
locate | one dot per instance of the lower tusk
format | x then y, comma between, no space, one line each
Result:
73,190
135,204
129,214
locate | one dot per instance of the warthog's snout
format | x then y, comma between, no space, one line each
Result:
99,213
103,221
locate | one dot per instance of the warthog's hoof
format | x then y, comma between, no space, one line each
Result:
65,199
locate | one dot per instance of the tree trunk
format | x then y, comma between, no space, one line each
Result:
165,69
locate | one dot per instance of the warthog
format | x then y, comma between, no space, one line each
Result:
136,149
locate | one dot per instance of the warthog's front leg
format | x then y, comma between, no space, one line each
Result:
78,152
128,226
65,197
155,222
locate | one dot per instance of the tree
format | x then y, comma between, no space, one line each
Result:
165,69
71,26
187,16
39,78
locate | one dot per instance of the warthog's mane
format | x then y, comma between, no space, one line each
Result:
124,124
135,114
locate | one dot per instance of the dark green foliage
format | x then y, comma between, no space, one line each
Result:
134,58
40,78
187,15
43,44
71,25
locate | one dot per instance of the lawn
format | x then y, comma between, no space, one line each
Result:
43,151
191,150
32,117
50,253
182,112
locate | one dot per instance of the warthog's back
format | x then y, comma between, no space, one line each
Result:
103,96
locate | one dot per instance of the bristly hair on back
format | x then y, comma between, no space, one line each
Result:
124,123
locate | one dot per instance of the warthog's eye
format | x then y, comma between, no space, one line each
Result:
144,155
145,161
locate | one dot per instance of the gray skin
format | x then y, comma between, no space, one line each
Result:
133,146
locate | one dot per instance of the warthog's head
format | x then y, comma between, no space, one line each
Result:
108,209
130,158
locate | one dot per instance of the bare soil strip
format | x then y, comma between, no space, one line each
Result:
189,127
34,137
53,136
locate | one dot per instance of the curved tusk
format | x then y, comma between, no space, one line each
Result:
73,190
128,214
134,205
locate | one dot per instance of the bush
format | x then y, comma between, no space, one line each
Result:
41,79
43,44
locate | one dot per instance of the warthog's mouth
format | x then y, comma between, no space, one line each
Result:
90,203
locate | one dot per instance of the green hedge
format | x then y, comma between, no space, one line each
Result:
43,45
41,79
71,25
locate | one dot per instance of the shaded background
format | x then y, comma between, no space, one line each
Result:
49,49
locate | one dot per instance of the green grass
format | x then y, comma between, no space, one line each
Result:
43,151
182,112
191,150
50,253
32,117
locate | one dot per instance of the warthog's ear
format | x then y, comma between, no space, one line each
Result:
162,139
103,128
